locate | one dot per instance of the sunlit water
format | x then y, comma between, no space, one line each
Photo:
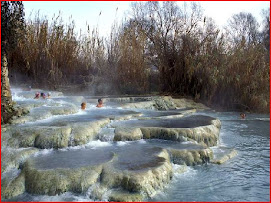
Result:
243,178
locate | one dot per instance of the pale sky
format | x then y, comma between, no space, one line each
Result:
88,11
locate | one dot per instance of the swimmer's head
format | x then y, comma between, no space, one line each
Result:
83,106
100,101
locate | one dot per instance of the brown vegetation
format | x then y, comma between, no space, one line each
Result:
189,54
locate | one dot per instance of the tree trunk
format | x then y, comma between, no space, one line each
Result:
6,99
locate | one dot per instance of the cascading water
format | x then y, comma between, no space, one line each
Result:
82,142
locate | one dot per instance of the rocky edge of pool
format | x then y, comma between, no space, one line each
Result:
127,150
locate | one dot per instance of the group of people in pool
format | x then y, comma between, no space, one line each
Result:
99,105
83,105
42,95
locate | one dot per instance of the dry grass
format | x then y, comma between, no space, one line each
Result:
193,57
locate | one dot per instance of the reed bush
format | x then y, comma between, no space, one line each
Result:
176,49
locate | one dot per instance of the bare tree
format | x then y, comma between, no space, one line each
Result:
243,28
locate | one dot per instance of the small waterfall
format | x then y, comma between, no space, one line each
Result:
98,192
71,140
106,134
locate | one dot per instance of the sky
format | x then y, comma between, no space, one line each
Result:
88,12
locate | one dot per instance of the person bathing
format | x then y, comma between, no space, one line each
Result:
37,95
43,95
100,103
242,115
83,106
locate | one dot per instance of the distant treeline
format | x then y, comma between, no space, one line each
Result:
161,47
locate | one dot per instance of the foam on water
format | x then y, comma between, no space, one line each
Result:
43,152
73,148
91,106
80,112
15,97
14,91
109,107
106,134
142,141
51,118
44,120
90,145
263,119
188,142
177,177
65,197
112,122
176,167
188,174
98,144
217,149
105,194
122,143
241,126
221,142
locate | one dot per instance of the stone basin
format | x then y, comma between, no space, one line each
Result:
159,113
137,169
72,159
57,134
47,111
89,115
223,154
138,157
133,167
187,122
126,168
202,129
66,130
130,156
11,158
174,145
155,114
188,153
113,113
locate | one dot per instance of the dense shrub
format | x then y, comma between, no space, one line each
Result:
160,47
